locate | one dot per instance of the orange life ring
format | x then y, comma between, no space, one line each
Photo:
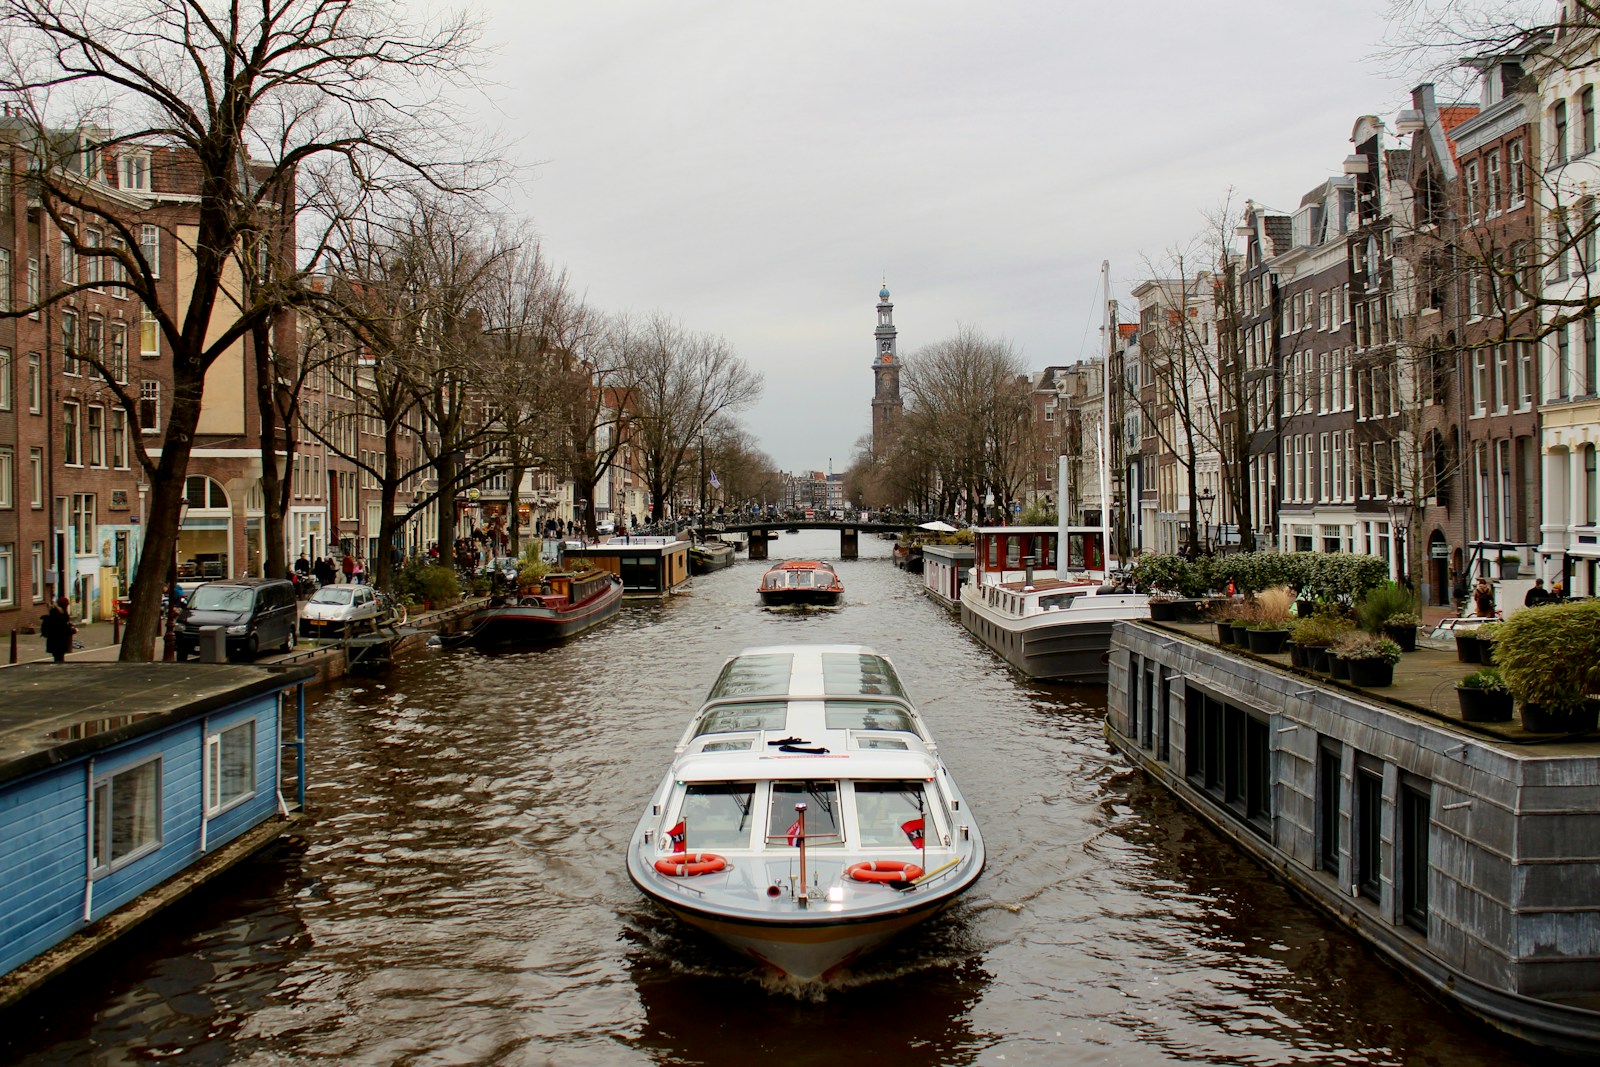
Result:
689,864
884,871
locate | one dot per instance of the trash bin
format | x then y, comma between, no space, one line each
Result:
213,644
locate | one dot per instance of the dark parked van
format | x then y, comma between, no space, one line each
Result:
256,613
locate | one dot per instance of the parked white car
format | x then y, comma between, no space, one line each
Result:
336,610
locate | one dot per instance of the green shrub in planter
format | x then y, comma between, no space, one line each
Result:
1483,697
1486,680
1551,657
1320,630
1382,603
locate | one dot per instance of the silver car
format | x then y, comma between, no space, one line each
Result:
337,610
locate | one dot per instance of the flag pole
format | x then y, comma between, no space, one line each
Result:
800,820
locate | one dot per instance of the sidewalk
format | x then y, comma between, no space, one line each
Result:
94,637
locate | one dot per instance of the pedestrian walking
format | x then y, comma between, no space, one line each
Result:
57,630
348,565
1483,598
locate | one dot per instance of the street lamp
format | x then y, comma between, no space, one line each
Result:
1400,512
1208,499
169,648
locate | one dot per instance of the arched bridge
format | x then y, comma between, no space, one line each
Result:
760,531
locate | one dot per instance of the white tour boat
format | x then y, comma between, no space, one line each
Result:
806,817
1055,628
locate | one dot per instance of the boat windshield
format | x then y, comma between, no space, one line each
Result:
717,815
751,715
822,813
889,813
850,673
754,674
867,715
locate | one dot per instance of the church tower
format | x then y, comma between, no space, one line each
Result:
886,406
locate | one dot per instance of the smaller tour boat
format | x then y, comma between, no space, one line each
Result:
801,581
563,604
806,817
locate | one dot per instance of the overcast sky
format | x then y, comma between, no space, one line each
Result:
758,169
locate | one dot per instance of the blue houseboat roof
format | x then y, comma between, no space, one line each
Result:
55,712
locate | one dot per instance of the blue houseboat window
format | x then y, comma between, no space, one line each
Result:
230,766
125,816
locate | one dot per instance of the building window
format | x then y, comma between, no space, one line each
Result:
1491,183
117,353
5,279
149,338
8,575
149,406
125,817
35,384
1368,826
83,524
1229,756
1591,483
1558,139
94,426
1415,832
1518,181
230,767
1591,353
1563,382
69,255
150,248
1586,119
8,477
1328,806
71,435
119,439
33,287
36,477
6,397
69,344
36,563
134,168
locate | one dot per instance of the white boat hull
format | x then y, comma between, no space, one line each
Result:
1067,646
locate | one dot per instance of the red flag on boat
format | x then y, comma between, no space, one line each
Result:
675,837
794,833
913,831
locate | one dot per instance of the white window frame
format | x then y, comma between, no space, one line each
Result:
133,171
103,794
36,561
8,477
8,575
220,747
150,247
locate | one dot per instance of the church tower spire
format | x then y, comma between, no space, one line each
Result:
886,405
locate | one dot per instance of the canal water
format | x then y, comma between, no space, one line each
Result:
459,896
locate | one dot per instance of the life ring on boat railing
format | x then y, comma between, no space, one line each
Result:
884,871
689,864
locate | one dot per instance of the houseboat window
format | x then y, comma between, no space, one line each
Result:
1147,727
822,813
754,715
1328,772
125,816
1057,601
1013,552
845,673
889,814
230,766
992,551
1368,831
867,716
717,815
754,674
1415,817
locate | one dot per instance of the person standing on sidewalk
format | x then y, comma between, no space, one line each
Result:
57,630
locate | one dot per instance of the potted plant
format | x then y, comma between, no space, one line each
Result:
1371,660
1390,610
1338,665
1232,617
1484,697
1467,644
1487,634
1269,630
1510,564
1550,660
1314,635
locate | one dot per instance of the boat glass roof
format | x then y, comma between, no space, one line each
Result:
867,715
750,715
762,673
851,673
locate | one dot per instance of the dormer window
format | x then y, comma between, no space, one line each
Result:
134,171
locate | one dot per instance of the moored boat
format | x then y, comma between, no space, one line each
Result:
806,817
801,581
708,556
564,605
1055,628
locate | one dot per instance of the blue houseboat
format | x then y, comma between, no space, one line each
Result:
125,785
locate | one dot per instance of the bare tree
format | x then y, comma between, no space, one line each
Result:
682,382
247,97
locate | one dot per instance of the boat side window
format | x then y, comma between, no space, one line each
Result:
1013,553
822,813
865,715
1056,601
754,715
890,814
717,815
